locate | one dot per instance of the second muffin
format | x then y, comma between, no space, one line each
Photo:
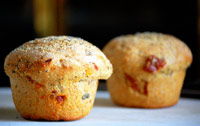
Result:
148,69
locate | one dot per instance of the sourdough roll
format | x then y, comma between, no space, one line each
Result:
148,69
56,77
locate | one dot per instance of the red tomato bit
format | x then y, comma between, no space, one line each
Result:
145,88
30,79
95,66
132,82
54,91
153,64
42,97
38,86
60,98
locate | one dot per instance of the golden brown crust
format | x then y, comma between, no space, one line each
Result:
71,57
141,82
55,78
136,48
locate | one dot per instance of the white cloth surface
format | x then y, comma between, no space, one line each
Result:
106,113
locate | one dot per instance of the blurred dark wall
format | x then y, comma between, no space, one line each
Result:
100,21
16,28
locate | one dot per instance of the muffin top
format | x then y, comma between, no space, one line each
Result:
69,57
148,53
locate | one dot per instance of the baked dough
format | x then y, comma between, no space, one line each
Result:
148,69
56,77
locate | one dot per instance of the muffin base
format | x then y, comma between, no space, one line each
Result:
162,90
147,107
68,100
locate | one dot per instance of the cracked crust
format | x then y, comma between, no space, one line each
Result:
148,69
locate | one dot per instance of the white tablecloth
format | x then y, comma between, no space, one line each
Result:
104,112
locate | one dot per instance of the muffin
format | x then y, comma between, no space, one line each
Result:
148,69
56,77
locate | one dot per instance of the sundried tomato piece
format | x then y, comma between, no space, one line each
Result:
60,98
95,66
150,68
30,79
54,92
134,85
160,63
38,86
132,82
42,97
153,64
145,88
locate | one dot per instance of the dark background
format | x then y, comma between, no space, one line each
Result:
98,21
